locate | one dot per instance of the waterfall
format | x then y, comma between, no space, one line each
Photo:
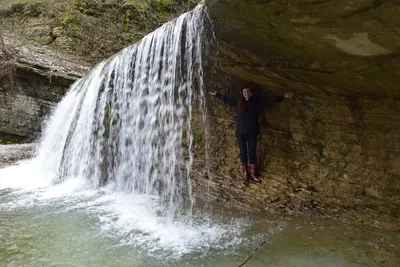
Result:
127,124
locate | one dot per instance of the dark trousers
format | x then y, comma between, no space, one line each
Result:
247,146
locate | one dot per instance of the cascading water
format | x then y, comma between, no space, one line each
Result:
118,148
106,185
128,123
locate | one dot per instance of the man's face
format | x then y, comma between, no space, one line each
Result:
247,93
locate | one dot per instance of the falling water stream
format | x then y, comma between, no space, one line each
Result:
109,184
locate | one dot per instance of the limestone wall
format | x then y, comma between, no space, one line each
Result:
329,155
42,78
333,149
22,110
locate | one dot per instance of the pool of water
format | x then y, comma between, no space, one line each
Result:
71,225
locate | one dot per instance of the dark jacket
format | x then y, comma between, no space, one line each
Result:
247,120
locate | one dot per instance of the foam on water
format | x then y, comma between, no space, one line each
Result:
131,222
119,146
24,175
135,219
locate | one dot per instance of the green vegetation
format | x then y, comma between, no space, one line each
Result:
98,29
393,186
376,3
10,139
371,206
92,29
396,210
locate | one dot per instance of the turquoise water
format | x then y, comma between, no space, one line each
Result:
67,226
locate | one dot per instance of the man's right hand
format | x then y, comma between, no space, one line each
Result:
213,93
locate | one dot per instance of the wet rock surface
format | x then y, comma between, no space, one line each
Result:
15,152
332,150
42,77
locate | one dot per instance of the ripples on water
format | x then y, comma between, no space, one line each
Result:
69,225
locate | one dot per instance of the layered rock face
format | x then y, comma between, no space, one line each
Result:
334,148
41,79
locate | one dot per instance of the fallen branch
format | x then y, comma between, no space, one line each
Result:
252,254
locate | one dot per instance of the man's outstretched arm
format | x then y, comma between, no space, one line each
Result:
226,99
272,101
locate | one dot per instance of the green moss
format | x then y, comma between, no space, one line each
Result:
98,29
94,29
370,206
6,139
395,212
377,3
141,5
27,8
17,8
393,188
357,11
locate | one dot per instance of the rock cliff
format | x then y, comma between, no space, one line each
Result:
41,79
52,43
334,149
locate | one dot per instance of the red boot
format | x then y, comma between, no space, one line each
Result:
253,173
245,171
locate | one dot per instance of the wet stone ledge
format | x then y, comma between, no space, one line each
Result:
15,152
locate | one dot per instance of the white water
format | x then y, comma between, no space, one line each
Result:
128,123
119,145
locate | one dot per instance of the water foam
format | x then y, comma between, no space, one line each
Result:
134,219
118,147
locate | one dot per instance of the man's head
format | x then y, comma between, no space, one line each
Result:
247,93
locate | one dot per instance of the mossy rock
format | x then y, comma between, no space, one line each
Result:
93,30
395,212
7,139
393,187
